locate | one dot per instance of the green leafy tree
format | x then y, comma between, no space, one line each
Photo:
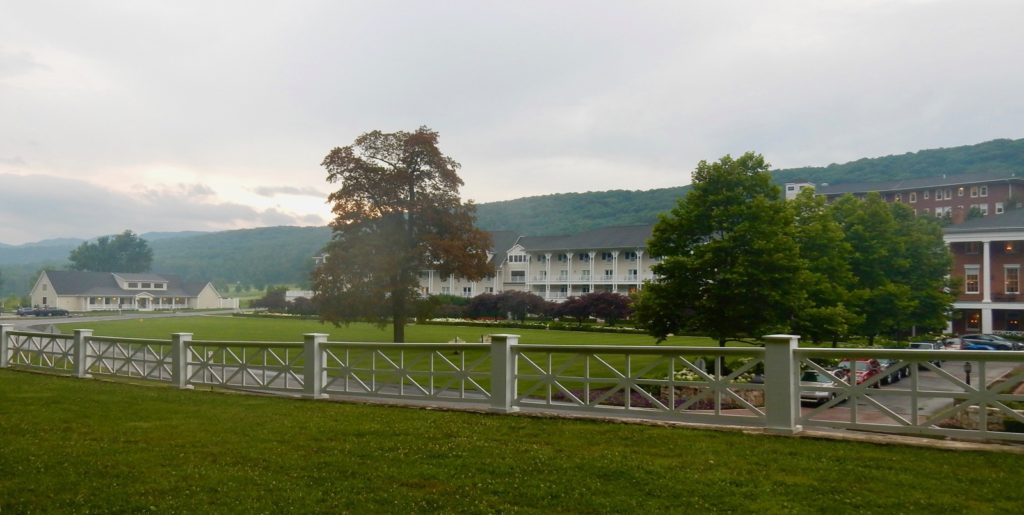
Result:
900,265
729,257
126,252
397,212
826,279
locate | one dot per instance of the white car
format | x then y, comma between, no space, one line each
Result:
818,382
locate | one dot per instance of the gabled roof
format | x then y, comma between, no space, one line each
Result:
502,241
617,237
103,284
910,184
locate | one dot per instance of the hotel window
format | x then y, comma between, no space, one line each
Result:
971,280
983,208
938,194
926,194
608,274
913,197
631,274
563,275
1011,274
606,256
517,258
489,289
583,256
542,258
467,291
133,285
585,275
146,286
630,256
585,288
960,191
948,194
926,211
446,290
974,191
983,190
543,275
563,257
518,276
898,197
972,247
999,208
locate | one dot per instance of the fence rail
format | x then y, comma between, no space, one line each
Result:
960,394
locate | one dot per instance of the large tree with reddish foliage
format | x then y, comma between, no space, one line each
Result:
397,212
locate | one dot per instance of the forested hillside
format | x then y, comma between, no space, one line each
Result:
252,257
571,212
1001,155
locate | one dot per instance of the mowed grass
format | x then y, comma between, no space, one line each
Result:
222,327
72,445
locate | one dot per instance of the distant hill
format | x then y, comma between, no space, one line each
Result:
571,212
1001,155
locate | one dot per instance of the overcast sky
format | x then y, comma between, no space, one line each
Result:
208,115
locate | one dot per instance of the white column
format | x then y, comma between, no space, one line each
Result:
498,273
547,276
639,268
430,282
312,368
615,271
593,254
5,330
986,320
81,352
568,274
781,384
986,278
181,371
503,372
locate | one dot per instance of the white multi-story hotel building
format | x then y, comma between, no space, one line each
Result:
558,267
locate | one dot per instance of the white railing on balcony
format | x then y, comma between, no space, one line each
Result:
960,394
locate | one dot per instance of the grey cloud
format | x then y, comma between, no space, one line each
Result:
271,191
17,63
42,206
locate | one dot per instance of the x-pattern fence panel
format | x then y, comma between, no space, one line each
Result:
458,372
129,357
682,383
271,366
914,392
41,350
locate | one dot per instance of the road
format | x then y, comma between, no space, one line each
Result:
896,397
43,323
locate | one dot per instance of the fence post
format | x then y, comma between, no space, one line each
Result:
313,370
181,370
81,343
4,349
503,372
781,384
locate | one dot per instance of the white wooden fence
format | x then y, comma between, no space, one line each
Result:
751,387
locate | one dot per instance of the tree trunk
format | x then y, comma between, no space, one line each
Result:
398,314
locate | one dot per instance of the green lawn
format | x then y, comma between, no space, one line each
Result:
92,446
223,327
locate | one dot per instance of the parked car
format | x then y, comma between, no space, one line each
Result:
817,380
927,346
976,346
995,341
51,312
26,312
891,374
864,369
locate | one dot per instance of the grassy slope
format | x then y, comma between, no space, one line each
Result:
80,445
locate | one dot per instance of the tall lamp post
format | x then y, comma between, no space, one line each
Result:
967,371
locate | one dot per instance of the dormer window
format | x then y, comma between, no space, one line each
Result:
133,285
146,286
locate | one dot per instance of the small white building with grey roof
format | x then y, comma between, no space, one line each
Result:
558,267
105,291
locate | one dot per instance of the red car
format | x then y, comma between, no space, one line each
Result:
866,368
